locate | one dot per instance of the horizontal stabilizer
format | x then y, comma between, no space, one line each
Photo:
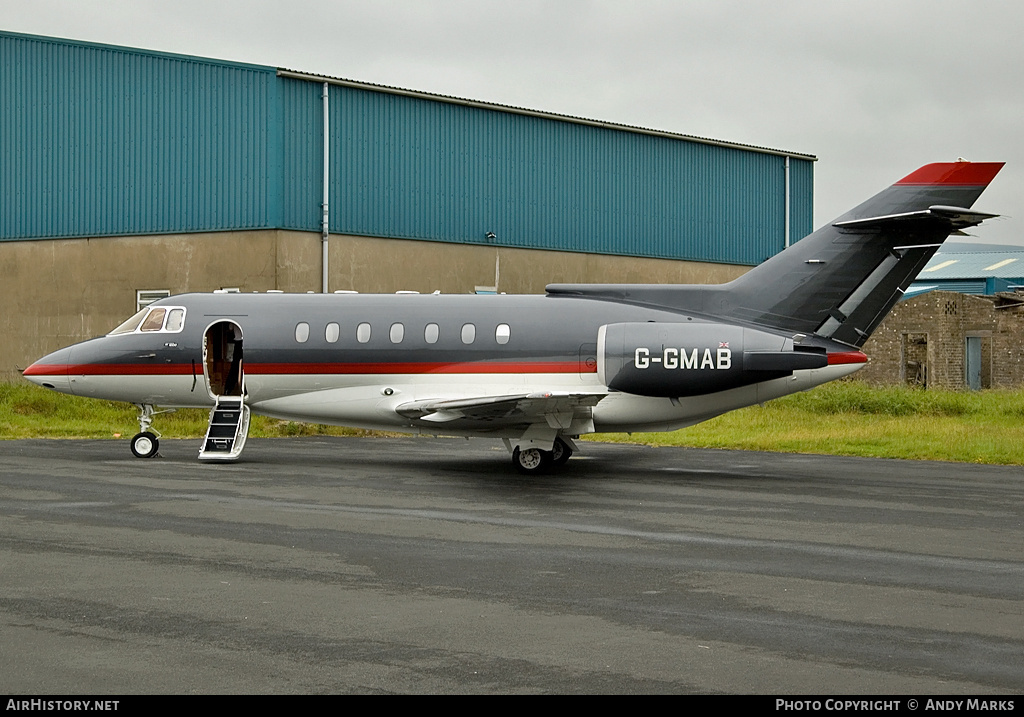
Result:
955,218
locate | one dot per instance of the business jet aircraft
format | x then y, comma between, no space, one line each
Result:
535,370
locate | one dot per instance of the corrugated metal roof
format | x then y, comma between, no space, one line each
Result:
132,50
973,265
298,75
413,167
962,286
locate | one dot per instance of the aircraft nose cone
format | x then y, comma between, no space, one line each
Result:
52,371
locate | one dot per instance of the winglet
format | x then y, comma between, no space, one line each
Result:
959,174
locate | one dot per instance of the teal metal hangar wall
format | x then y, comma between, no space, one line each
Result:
102,141
98,140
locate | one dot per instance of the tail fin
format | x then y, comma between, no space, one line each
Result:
843,279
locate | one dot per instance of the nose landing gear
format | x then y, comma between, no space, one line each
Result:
146,442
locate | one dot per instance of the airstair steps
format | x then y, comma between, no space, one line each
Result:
226,434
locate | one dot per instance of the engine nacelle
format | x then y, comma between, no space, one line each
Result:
690,359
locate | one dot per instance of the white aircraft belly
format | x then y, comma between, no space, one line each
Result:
370,400
363,401
621,412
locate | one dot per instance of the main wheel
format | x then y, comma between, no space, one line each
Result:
530,461
560,452
145,445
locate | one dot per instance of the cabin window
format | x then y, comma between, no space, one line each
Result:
397,333
175,320
431,333
155,320
363,333
302,332
468,333
502,333
332,333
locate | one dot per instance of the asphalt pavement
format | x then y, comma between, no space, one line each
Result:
410,565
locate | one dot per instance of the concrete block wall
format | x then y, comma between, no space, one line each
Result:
934,328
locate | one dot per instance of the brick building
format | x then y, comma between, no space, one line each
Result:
950,340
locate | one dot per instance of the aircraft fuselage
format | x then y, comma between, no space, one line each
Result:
356,359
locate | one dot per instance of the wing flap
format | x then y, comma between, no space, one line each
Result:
558,409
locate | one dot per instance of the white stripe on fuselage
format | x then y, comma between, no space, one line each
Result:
361,400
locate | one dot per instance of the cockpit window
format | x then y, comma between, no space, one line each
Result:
155,320
152,319
131,324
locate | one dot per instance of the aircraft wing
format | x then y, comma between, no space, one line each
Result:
557,409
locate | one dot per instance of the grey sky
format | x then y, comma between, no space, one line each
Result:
873,88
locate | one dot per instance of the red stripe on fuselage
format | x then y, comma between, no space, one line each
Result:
846,357
108,369
38,369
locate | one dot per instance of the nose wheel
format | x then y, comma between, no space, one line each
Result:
146,442
145,445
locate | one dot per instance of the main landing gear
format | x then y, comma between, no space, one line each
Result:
146,442
533,461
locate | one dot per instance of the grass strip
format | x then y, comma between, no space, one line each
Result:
841,418
852,419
